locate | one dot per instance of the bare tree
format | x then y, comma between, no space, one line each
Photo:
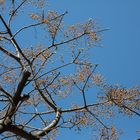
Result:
45,75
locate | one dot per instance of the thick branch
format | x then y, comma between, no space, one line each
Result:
17,96
52,105
5,124
51,126
47,100
20,132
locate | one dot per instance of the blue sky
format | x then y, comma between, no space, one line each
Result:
119,57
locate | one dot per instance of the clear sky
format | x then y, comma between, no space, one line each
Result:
119,57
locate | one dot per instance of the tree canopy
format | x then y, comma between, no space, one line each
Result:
47,79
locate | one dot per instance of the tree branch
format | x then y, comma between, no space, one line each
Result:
52,105
51,126
17,97
10,55
5,92
37,24
20,132
14,12
64,42
18,50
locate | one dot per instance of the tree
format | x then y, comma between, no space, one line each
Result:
46,77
